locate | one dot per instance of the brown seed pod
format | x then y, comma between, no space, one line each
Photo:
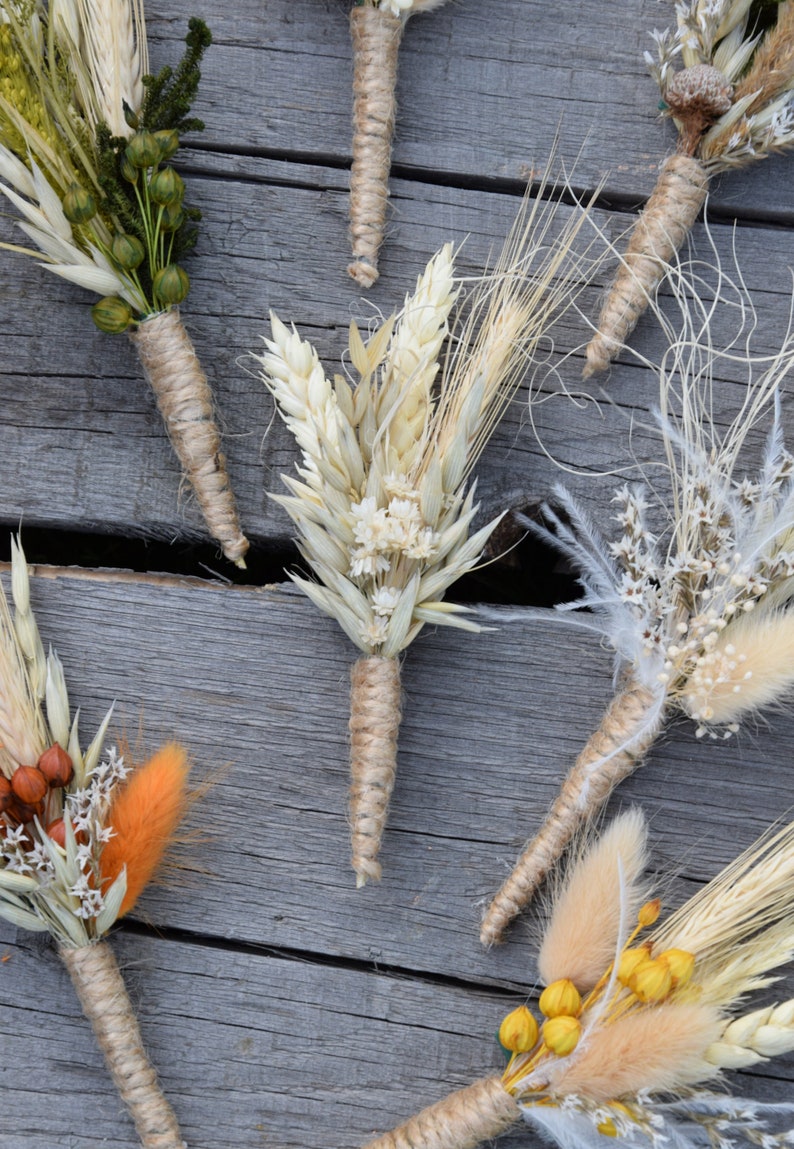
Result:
56,766
57,831
29,785
6,794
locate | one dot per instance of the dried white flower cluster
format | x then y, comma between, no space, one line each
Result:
406,8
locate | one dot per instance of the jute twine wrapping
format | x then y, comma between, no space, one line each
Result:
374,726
105,1003
460,1121
659,233
185,401
376,36
625,734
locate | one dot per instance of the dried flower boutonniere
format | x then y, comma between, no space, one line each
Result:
81,834
699,615
381,502
732,103
376,28
638,1022
85,143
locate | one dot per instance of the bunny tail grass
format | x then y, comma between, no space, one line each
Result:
376,36
660,231
628,728
185,401
374,726
104,999
462,1120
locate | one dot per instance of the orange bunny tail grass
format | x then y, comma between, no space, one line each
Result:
461,1121
613,753
663,226
144,814
376,34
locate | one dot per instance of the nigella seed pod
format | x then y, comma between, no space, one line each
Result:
6,794
143,150
171,284
129,171
167,187
560,999
518,1033
112,315
28,784
128,251
172,217
24,812
57,831
79,206
56,766
168,139
561,1035
131,118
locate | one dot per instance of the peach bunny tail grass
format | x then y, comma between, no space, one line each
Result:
603,885
103,996
185,402
612,753
374,728
144,815
461,1121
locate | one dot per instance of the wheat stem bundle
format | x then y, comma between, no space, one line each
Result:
81,834
382,502
85,140
699,615
637,1023
376,28
732,103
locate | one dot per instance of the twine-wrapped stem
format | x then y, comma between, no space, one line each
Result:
185,402
660,231
104,999
376,36
374,725
462,1120
612,753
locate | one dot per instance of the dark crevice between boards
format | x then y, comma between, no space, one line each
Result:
517,569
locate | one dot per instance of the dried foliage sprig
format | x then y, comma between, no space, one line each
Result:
81,834
85,140
376,28
381,502
700,614
639,1022
732,103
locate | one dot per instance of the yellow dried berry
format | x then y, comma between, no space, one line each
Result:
651,981
561,1035
607,1128
629,960
681,964
560,999
519,1031
649,912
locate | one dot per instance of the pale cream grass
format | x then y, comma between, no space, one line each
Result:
655,1050
113,50
600,891
754,1037
23,736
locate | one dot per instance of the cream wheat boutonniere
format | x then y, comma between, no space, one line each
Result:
732,103
376,29
380,502
81,834
637,1023
85,143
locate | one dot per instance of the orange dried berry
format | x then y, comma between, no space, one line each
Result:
649,912
56,766
25,811
560,998
519,1031
29,785
651,981
57,831
6,794
629,960
561,1035
681,964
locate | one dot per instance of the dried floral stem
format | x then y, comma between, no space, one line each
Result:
185,402
663,226
376,36
462,1120
612,753
374,727
105,1002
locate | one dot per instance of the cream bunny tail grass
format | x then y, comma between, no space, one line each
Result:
185,402
100,988
461,1121
612,753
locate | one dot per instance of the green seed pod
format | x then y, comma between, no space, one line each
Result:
130,117
172,218
128,251
112,315
143,150
168,139
128,171
79,206
167,187
171,284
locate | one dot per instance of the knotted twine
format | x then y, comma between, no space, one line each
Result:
376,36
461,1121
611,754
374,725
185,402
661,229
103,996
